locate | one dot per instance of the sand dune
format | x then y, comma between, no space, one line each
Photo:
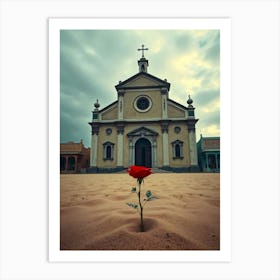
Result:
94,214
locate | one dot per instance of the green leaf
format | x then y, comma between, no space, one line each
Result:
152,197
148,194
133,190
133,205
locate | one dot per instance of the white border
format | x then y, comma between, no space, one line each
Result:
224,254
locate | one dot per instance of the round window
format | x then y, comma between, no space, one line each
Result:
108,131
177,129
142,103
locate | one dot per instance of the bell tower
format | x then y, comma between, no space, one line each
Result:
143,62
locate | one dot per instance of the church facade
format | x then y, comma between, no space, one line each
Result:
143,127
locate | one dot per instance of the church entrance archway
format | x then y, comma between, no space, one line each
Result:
143,152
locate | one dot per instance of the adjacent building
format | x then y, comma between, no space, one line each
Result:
208,149
74,157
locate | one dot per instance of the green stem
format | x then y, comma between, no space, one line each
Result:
141,207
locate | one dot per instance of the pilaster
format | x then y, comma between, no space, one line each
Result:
164,93
165,143
192,143
94,145
120,104
120,131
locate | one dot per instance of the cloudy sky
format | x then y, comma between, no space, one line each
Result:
92,62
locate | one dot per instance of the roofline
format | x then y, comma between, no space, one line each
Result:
120,85
177,104
107,107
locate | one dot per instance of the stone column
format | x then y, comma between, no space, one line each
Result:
94,146
120,130
120,104
131,151
164,102
154,151
165,144
192,146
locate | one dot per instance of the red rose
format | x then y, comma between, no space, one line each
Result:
139,172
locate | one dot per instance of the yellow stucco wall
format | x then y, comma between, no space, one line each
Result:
155,112
131,113
172,136
140,81
110,114
174,112
182,136
102,138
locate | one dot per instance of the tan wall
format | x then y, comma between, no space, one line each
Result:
131,113
174,112
111,114
182,136
172,136
102,138
142,81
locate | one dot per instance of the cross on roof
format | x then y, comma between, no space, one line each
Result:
143,49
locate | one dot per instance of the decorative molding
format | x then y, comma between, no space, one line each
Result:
94,128
146,109
191,124
164,91
142,131
121,92
164,127
120,128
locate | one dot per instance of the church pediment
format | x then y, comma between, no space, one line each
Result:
175,110
143,80
110,112
142,131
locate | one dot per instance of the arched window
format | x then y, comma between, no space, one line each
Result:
108,151
177,148
177,151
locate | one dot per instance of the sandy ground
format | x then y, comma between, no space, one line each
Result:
94,214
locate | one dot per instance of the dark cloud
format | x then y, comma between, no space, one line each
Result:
202,43
213,51
209,118
184,42
205,98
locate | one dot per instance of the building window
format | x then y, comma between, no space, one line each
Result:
177,129
109,131
177,148
177,151
143,103
108,151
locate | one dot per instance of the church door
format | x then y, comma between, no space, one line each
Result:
143,155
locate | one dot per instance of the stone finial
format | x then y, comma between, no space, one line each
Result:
96,105
190,101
